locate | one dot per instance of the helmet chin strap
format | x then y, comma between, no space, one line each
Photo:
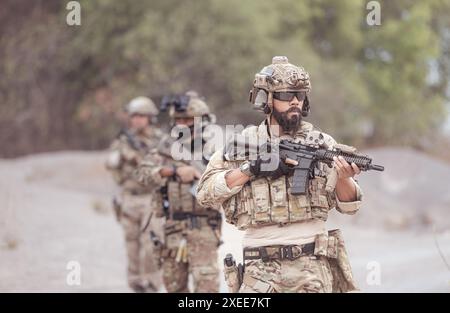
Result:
268,109
306,107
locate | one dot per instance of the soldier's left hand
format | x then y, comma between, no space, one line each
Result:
187,173
345,170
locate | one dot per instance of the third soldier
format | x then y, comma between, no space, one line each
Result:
134,205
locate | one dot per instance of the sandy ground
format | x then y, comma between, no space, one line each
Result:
54,209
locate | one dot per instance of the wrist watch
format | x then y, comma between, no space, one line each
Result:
245,168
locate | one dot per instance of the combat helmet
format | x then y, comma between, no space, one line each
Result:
279,76
188,105
142,105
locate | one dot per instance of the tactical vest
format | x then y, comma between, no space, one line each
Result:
178,199
181,199
265,201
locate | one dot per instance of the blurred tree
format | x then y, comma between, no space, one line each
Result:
64,87
396,66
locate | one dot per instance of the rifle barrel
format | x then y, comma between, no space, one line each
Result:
376,167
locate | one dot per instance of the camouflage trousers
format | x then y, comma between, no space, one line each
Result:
304,275
144,272
200,261
326,270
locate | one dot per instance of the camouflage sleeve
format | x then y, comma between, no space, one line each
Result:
350,207
114,161
353,206
147,173
127,152
212,187
120,152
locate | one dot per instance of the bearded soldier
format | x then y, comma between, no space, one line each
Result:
286,245
191,231
134,209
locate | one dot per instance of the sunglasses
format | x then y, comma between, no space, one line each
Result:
289,95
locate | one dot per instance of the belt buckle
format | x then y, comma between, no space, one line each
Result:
263,254
291,252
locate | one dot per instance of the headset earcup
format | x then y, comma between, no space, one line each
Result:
268,109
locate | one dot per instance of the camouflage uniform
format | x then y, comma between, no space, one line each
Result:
134,209
316,262
192,232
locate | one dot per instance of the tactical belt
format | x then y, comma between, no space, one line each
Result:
181,216
198,220
170,229
138,192
270,253
168,253
191,221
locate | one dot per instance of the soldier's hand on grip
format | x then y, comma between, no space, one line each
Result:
270,165
187,174
345,170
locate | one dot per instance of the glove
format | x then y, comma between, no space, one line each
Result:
269,164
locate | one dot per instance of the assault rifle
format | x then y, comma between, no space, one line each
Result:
308,156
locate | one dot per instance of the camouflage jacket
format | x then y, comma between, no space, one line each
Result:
213,188
148,173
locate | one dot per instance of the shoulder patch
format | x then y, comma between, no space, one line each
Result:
314,138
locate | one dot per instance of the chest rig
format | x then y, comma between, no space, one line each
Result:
266,201
179,202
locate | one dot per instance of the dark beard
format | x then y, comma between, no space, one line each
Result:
288,125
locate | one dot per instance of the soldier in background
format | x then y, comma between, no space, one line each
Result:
287,247
192,231
134,206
